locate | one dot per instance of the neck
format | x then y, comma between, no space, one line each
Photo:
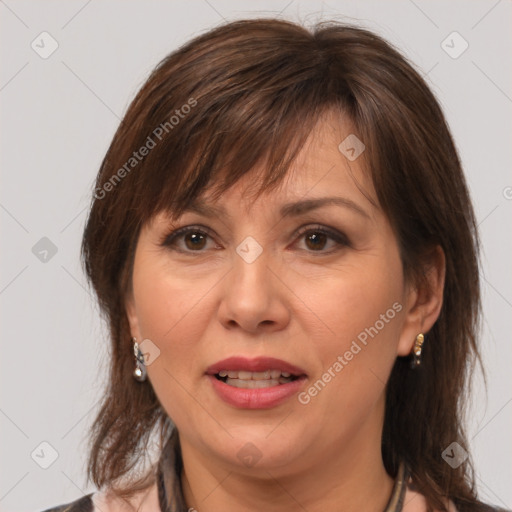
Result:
351,474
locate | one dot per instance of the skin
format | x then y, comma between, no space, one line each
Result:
298,302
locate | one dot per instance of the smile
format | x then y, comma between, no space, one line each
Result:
254,380
255,383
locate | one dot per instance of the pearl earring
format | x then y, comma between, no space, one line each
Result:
139,373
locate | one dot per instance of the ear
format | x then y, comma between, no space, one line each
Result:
131,314
424,300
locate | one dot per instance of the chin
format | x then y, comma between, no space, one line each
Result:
258,446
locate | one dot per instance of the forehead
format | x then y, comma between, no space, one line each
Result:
324,167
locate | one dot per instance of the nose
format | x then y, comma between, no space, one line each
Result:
254,299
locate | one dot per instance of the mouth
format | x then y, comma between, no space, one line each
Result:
255,380
258,373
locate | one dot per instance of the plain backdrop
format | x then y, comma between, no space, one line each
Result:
59,114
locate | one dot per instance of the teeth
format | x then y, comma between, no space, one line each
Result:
255,376
252,384
261,375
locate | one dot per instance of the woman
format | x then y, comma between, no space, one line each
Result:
282,240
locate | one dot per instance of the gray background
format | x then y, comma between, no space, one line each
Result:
58,117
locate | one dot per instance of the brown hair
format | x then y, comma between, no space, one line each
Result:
250,92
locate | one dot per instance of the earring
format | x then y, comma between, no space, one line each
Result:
140,368
416,351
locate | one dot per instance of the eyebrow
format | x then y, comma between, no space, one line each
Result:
287,210
306,205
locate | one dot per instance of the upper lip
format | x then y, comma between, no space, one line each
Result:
257,364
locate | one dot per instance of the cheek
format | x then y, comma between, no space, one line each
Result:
355,299
172,311
169,304
361,314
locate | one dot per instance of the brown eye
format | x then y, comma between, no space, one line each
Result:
323,241
195,240
316,241
188,240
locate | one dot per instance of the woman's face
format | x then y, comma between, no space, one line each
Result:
320,290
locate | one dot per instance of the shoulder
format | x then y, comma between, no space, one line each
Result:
480,507
106,501
145,500
83,504
416,502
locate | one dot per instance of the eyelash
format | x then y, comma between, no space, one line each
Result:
169,239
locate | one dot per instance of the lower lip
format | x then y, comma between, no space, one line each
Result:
262,398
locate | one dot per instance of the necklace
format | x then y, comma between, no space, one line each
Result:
170,493
396,500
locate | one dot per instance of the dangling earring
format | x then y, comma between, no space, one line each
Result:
140,368
416,351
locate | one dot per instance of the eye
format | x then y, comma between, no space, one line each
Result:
194,239
316,238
